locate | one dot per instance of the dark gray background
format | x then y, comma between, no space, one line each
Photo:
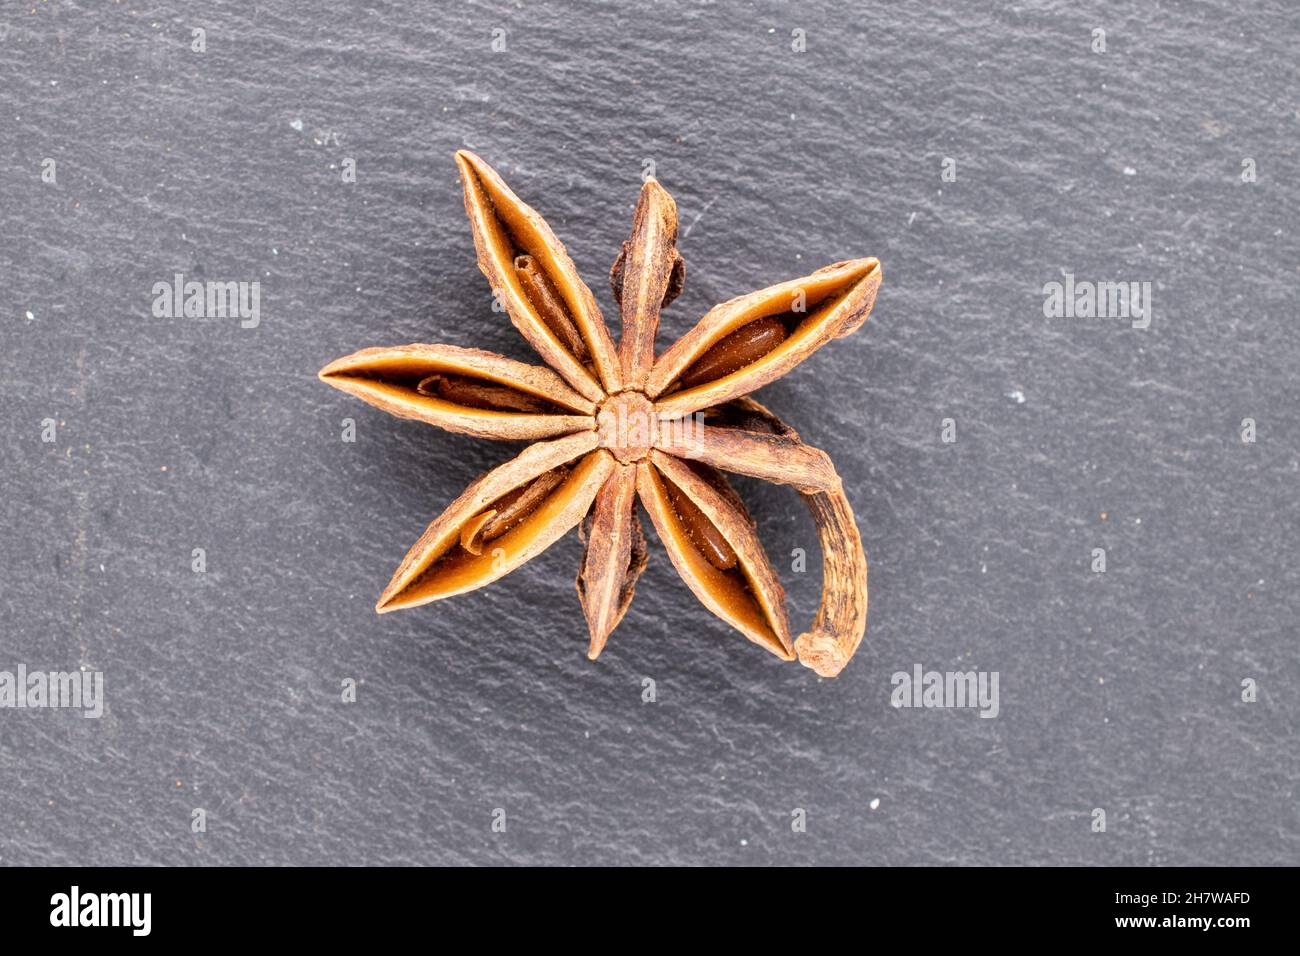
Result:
1118,690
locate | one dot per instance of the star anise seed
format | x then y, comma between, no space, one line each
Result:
611,427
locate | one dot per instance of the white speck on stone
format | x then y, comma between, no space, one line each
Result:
1130,171
296,124
744,843
1017,396
911,219
30,317
875,803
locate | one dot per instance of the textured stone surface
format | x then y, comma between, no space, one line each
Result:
1118,690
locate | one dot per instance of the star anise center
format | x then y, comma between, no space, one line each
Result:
626,424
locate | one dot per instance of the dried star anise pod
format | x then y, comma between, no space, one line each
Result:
611,426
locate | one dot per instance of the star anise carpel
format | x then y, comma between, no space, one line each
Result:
617,430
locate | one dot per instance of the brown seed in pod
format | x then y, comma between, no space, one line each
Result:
543,297
509,510
707,539
746,345
478,393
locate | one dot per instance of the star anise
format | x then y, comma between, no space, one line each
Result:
612,425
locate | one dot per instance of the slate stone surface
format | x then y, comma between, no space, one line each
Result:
1119,691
